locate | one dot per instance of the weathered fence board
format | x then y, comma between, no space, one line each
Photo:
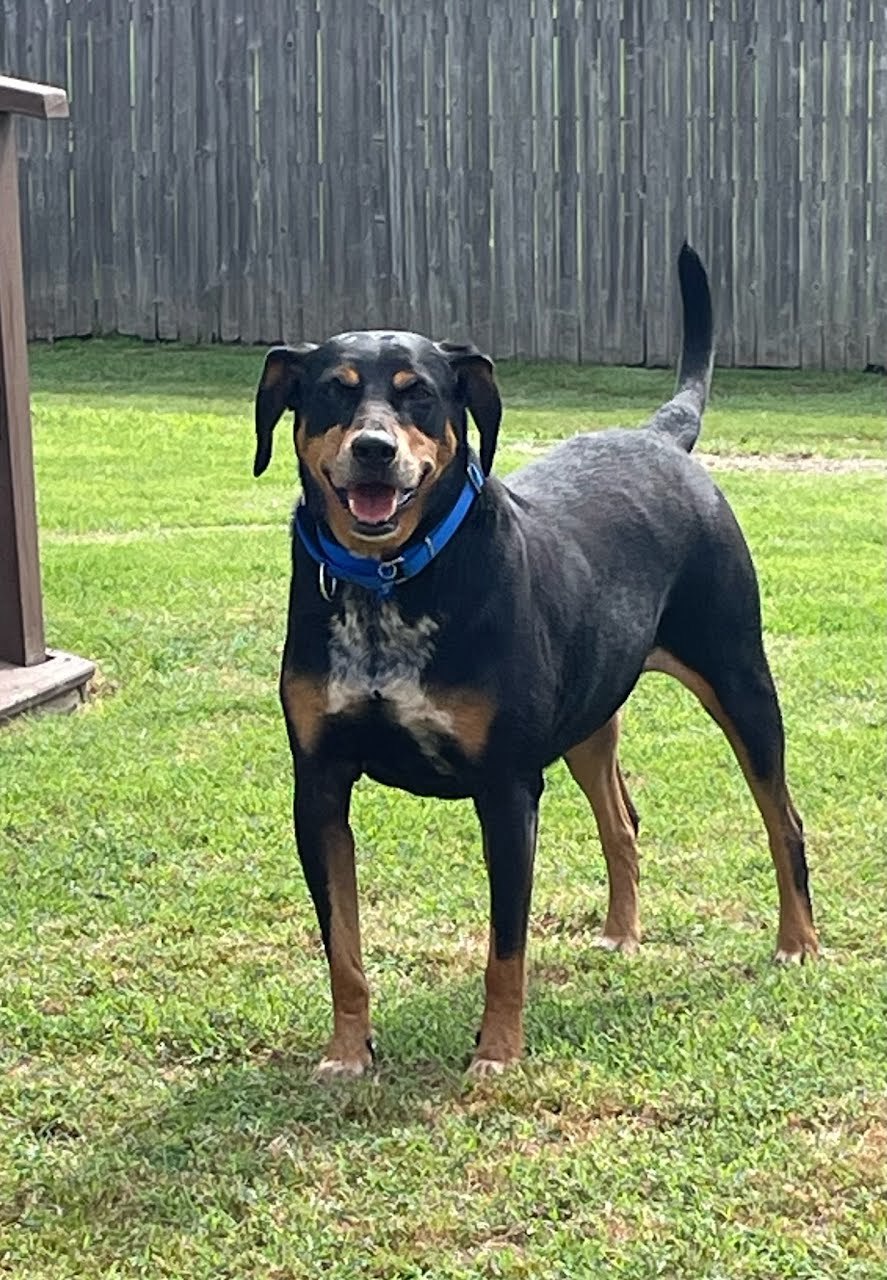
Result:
812,192
859,39
724,56
521,173
566,226
876,267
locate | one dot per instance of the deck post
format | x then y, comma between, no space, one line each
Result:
29,675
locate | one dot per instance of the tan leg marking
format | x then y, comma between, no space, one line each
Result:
502,1032
796,938
594,765
304,698
347,1053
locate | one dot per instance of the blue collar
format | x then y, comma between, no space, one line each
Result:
382,576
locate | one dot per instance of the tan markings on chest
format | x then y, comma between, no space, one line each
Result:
376,654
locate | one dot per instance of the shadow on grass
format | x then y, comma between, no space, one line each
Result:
424,1045
607,1046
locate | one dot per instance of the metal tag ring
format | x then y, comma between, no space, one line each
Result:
387,569
326,592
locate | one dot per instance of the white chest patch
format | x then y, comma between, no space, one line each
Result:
375,653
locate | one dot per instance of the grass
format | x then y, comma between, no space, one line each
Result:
690,1112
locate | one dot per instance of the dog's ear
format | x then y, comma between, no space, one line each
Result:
479,393
278,390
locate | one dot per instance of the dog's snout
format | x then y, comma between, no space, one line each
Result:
374,447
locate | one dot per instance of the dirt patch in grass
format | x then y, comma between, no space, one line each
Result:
811,462
801,462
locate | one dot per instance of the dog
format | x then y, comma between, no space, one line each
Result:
453,634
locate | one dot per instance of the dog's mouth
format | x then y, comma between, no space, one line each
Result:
375,507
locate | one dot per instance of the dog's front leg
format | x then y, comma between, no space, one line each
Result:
508,814
326,850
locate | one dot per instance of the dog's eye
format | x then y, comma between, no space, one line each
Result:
343,376
418,390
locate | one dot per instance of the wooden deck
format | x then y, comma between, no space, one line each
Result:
56,684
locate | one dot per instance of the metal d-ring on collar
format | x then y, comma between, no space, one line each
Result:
326,591
336,564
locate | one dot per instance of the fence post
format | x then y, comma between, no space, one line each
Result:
28,674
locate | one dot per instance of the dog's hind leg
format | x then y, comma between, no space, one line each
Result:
594,765
740,696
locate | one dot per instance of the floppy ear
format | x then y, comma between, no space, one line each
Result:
278,390
477,388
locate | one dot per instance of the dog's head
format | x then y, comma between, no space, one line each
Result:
380,425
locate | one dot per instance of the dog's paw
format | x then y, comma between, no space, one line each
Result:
494,1054
627,943
345,1064
482,1068
339,1069
798,953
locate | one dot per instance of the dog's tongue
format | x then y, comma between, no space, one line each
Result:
372,503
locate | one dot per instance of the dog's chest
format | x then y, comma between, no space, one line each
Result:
379,659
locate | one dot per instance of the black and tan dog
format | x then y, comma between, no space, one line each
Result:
453,634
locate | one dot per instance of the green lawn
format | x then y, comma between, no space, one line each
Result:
693,1111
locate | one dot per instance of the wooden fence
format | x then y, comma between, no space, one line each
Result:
521,171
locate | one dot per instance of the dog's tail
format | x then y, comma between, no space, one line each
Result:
681,418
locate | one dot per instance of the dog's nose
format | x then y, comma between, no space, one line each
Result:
374,447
